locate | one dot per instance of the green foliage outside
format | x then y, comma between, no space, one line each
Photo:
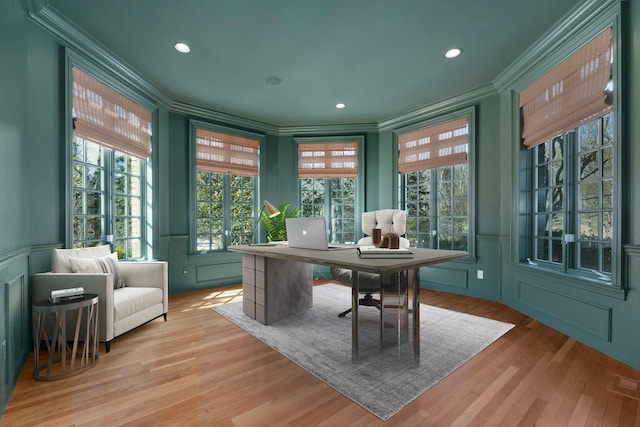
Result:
276,226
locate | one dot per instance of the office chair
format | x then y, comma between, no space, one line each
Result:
389,221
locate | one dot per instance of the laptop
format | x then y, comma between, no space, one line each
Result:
310,233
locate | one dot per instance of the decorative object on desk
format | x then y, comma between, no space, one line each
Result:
376,236
271,211
276,225
389,240
380,383
381,252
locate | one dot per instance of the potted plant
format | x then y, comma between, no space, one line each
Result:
276,226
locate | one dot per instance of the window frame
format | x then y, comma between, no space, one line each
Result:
193,184
149,177
524,240
359,199
469,113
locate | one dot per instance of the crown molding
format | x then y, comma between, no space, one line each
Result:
557,38
71,35
329,129
437,108
227,119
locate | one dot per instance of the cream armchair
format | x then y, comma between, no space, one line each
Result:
143,298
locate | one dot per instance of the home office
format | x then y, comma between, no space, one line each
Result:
509,217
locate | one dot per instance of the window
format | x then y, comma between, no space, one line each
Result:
226,183
328,170
574,193
569,127
434,185
110,151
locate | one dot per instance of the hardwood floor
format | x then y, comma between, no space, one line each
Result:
198,369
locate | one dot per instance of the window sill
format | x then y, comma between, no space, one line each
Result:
574,280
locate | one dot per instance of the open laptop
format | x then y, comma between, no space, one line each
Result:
310,233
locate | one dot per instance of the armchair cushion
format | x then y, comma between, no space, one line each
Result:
60,257
131,300
105,264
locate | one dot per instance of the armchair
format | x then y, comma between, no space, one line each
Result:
143,297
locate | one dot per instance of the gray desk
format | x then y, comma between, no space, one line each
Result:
349,258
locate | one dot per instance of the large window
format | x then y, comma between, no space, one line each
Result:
568,124
328,170
574,192
434,184
226,183
110,151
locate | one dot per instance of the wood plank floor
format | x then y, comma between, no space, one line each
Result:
198,369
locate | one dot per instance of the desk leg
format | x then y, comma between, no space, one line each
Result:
416,316
355,284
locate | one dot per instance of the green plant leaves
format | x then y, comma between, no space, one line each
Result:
276,226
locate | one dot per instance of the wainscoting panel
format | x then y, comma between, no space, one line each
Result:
444,277
15,325
588,317
222,273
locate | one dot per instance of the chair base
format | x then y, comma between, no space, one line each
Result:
368,300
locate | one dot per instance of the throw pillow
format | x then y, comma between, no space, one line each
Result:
105,264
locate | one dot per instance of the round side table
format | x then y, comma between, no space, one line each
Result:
62,356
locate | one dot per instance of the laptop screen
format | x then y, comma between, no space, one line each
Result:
307,233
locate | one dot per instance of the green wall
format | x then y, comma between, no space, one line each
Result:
32,194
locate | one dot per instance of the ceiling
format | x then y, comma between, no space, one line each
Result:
382,58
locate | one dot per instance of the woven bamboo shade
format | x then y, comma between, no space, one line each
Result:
109,118
571,94
328,160
434,147
224,153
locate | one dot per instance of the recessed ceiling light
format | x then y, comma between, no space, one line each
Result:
182,48
340,105
452,53
273,80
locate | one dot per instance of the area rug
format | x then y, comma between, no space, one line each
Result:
382,381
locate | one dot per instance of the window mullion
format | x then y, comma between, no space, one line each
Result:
226,207
109,190
434,236
571,186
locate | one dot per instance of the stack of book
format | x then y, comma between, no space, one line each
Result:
375,252
65,295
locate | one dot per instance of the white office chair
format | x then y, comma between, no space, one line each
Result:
389,221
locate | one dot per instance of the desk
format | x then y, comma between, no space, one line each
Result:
57,365
348,258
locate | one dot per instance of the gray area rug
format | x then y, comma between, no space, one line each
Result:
382,381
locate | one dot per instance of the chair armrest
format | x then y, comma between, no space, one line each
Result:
93,283
148,274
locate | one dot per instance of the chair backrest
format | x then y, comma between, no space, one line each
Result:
388,221
60,257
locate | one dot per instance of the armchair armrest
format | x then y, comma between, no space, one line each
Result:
148,274
93,283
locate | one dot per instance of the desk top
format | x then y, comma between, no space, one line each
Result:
348,258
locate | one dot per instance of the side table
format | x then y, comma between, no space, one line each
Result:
63,361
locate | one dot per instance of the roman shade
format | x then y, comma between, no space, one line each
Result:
328,160
225,153
571,94
105,116
437,146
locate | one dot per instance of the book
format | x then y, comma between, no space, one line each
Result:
375,252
